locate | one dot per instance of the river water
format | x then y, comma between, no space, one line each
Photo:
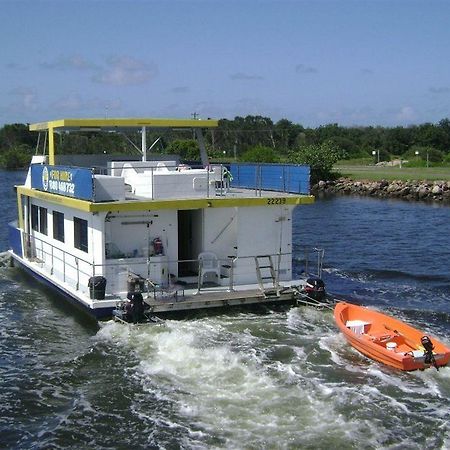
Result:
280,379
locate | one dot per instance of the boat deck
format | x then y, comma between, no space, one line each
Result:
221,193
180,297
214,298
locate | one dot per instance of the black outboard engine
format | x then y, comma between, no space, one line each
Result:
315,289
137,306
428,351
133,308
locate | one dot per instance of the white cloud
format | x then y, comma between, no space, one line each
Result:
74,102
406,114
117,70
25,100
126,70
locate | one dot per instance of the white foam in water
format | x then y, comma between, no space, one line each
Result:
275,381
227,392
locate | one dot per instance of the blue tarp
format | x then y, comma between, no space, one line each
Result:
271,177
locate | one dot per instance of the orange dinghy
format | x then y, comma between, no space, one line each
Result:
388,340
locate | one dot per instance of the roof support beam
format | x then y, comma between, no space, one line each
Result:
201,144
51,146
144,143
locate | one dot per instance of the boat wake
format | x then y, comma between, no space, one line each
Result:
370,289
282,379
5,259
371,275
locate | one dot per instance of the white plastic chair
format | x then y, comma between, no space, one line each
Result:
208,264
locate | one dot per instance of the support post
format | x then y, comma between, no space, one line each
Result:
144,144
201,144
51,146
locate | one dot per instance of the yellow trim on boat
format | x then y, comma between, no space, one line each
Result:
19,209
142,205
200,203
81,205
136,122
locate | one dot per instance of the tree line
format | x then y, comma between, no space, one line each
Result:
355,142
251,138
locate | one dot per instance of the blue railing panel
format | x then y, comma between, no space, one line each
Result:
272,177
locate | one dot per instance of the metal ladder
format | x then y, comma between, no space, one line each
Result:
265,263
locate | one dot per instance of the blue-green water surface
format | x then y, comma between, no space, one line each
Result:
283,379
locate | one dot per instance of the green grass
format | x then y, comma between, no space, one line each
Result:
375,173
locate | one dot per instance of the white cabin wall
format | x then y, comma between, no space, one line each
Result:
260,232
62,259
164,181
220,232
130,234
96,236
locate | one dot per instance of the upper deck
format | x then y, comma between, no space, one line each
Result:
137,185
128,188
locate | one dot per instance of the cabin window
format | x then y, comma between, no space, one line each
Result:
43,220
80,227
58,226
34,218
39,219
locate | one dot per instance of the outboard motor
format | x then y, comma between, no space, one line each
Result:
135,283
315,289
137,306
428,351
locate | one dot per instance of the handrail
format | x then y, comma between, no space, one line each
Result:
29,235
257,176
320,256
81,268
63,259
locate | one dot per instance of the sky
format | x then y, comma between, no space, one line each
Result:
351,62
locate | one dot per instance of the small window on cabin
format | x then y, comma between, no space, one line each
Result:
80,227
43,220
58,226
34,218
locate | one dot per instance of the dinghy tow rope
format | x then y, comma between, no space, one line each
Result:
304,299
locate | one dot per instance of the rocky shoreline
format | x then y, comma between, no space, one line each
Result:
435,191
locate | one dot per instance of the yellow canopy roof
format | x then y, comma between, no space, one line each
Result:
115,125
121,123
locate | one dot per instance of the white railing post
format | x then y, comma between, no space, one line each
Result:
200,265
153,182
232,261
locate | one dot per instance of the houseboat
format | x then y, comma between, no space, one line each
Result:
185,238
